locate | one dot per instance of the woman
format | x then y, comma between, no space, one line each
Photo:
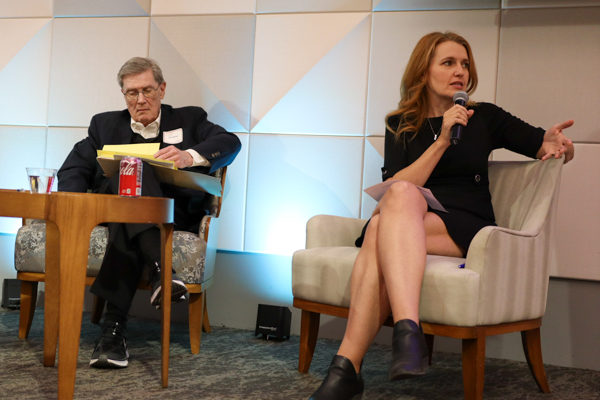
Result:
389,268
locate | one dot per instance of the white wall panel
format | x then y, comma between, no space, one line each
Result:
183,7
372,164
20,31
25,71
215,74
578,221
547,72
310,73
406,5
233,209
548,3
104,8
29,8
20,148
395,35
287,6
87,53
292,178
60,144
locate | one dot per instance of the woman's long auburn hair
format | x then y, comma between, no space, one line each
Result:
414,106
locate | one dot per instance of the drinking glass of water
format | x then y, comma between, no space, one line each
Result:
41,179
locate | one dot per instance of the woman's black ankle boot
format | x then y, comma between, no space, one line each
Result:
410,357
341,383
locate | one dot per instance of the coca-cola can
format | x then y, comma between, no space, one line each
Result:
130,177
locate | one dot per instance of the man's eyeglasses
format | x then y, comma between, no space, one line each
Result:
147,92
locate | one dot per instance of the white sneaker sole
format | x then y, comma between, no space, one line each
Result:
178,290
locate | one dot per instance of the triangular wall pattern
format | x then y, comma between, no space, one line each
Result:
224,63
20,32
25,81
287,47
184,86
322,101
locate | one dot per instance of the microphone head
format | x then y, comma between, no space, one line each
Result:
461,96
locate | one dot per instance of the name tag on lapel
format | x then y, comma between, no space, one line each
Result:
173,137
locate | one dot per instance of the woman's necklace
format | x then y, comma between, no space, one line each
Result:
435,135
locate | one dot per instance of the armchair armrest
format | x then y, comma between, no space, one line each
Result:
333,231
512,265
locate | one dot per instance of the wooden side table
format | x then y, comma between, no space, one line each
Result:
70,219
75,215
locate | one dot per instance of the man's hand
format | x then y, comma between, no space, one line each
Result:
556,144
182,159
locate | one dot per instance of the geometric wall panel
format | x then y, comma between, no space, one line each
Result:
186,7
288,47
85,65
214,74
60,143
25,71
373,162
280,6
291,178
414,5
548,3
578,218
29,8
20,147
394,38
331,97
544,92
233,209
20,31
104,8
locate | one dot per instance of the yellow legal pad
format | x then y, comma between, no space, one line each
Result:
145,151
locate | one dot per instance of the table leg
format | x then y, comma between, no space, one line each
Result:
74,247
51,300
166,231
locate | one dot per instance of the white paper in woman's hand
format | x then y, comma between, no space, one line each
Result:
377,192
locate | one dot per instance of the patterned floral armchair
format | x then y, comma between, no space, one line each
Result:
193,261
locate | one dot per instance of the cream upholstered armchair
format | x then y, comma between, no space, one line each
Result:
193,261
502,287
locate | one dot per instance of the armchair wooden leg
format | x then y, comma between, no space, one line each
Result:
28,300
97,309
429,340
309,330
532,346
205,321
473,359
196,307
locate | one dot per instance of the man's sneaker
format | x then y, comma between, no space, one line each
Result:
178,289
111,348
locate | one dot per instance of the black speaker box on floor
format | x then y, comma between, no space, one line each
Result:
11,294
273,321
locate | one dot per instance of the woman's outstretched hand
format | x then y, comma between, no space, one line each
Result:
556,144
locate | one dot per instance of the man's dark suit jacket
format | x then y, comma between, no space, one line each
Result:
81,171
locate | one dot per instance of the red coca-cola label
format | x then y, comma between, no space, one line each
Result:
130,177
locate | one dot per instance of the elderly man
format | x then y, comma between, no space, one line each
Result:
187,138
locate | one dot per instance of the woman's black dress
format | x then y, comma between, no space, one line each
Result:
460,179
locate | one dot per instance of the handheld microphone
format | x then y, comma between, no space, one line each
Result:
459,98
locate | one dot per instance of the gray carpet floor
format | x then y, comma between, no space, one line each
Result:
233,364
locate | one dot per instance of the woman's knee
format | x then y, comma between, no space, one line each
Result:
403,194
